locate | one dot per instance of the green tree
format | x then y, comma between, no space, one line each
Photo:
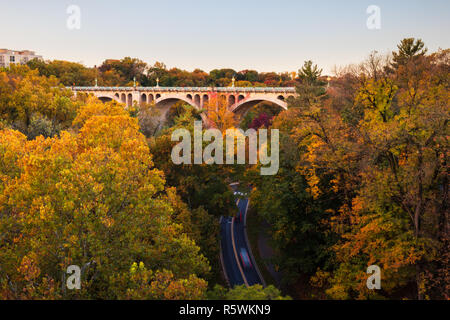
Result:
127,68
408,49
309,73
255,292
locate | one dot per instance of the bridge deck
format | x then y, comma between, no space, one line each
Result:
191,89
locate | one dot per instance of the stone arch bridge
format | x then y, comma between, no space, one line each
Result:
239,99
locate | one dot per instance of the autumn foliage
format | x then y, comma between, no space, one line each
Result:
363,180
91,198
371,152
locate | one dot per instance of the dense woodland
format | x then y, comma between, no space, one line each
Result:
122,72
363,180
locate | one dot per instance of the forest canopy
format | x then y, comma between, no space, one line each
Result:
363,180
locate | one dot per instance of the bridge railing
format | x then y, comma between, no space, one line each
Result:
191,89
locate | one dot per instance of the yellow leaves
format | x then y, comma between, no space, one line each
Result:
111,132
378,96
219,115
137,268
313,188
91,194
312,179
335,185
44,212
95,107
133,268
357,204
29,268
25,95
320,279
108,222
11,149
71,241
98,187
164,286
146,284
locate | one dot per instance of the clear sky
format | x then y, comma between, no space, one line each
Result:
275,35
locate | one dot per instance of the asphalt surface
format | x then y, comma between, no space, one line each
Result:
236,272
229,260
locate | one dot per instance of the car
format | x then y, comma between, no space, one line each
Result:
245,258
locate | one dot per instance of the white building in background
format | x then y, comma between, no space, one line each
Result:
8,57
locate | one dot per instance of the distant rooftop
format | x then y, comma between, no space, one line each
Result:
17,52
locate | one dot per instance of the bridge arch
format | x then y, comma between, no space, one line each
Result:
143,98
197,100
173,98
231,100
205,101
165,102
243,105
108,97
129,100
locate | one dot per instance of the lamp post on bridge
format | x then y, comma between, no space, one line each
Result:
157,82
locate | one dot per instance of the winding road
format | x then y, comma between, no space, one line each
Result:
233,238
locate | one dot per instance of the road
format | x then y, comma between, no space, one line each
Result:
232,240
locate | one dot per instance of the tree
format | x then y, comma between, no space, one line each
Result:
263,120
92,198
145,284
270,110
95,107
158,71
40,126
362,181
408,49
396,149
309,73
68,73
203,190
255,292
128,69
198,185
247,75
218,113
25,95
291,206
219,76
